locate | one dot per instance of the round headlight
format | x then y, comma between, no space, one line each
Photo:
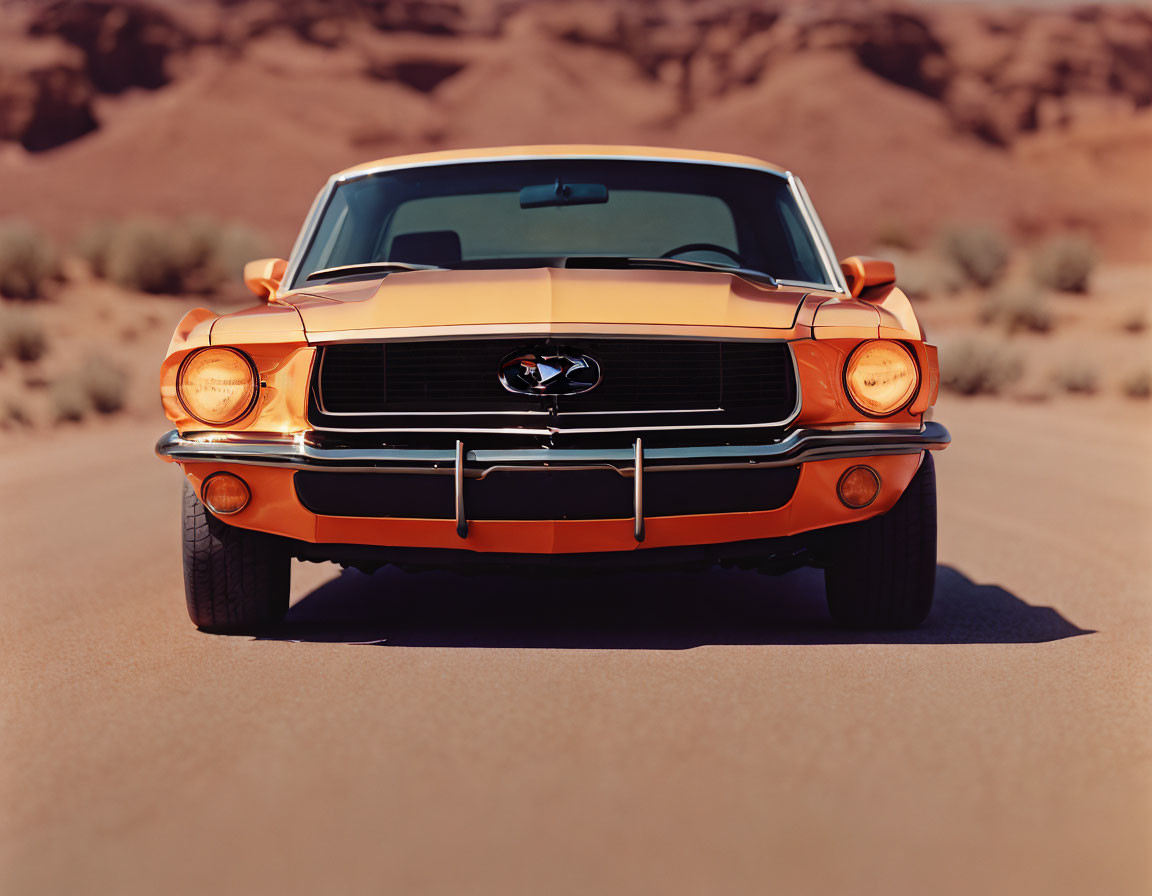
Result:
881,377
217,386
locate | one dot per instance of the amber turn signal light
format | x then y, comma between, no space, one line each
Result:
224,493
858,487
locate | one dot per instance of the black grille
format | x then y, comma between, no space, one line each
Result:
735,381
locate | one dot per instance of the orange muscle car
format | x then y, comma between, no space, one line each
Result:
578,356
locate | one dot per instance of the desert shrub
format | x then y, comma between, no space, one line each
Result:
149,255
106,384
1137,384
1076,377
233,245
923,275
28,260
70,401
94,244
1136,321
13,413
979,252
22,336
195,255
893,233
1018,309
979,368
1064,263
97,385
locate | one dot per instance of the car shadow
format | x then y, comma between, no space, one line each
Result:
638,611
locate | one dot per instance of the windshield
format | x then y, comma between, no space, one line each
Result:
544,212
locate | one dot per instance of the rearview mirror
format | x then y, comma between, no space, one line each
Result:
862,273
541,195
264,275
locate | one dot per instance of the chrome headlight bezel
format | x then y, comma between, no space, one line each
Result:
244,410
905,398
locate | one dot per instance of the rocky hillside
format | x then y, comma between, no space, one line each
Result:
898,118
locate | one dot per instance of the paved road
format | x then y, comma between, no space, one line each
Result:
646,734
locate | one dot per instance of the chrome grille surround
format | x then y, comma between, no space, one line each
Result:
452,386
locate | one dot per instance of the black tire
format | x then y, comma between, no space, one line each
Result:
235,580
881,572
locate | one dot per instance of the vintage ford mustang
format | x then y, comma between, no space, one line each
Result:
605,357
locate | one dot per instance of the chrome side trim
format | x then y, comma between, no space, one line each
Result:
638,490
300,453
645,411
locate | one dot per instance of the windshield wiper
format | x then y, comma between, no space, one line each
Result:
372,267
624,261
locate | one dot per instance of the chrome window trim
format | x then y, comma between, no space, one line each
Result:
816,230
806,284
547,431
304,237
548,157
818,234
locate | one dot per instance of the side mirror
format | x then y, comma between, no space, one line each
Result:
263,276
864,273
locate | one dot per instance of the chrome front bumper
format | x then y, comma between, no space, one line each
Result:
301,452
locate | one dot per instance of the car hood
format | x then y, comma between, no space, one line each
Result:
545,298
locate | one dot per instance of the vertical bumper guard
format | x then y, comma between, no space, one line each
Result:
461,517
638,490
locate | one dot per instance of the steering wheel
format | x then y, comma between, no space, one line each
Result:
703,247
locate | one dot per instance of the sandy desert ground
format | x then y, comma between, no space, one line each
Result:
663,733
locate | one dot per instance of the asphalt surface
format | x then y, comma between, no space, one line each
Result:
668,734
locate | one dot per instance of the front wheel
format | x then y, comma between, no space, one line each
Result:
882,571
235,580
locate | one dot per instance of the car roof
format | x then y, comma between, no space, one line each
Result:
560,151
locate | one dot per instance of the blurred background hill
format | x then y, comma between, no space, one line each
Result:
1035,118
1001,155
